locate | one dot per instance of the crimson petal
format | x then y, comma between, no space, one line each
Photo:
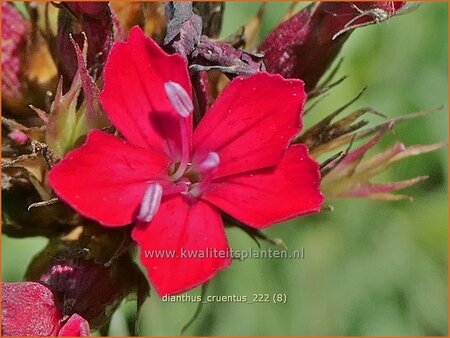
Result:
178,226
28,309
271,195
134,97
105,179
76,326
251,123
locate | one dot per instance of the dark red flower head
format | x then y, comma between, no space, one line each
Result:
30,309
172,180
88,8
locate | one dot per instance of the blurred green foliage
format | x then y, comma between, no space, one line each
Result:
370,268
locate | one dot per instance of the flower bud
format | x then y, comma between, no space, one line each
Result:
94,20
18,137
86,8
83,283
28,70
68,119
305,45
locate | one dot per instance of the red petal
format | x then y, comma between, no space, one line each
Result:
105,179
75,326
251,123
271,195
28,309
179,226
134,97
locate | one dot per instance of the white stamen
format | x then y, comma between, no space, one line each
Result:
211,161
184,151
182,103
179,98
150,202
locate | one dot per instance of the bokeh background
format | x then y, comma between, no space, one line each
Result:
370,268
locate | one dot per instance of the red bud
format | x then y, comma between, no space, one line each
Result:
88,8
305,45
95,20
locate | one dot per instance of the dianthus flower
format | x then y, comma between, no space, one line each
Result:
173,181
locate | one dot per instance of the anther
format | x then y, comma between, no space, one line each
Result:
211,161
179,98
150,202
183,105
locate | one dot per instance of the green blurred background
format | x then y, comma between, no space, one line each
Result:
370,268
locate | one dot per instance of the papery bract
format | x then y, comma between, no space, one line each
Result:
351,176
185,36
238,160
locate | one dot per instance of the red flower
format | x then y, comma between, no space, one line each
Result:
30,309
174,181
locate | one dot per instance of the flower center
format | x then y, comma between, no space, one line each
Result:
196,177
187,178
191,177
